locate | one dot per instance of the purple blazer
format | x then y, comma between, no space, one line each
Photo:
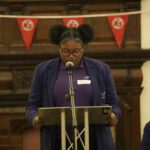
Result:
41,95
145,143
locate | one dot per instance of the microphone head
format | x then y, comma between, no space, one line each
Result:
69,65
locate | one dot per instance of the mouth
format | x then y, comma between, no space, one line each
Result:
72,60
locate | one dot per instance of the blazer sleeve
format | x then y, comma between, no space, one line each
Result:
111,94
35,96
145,143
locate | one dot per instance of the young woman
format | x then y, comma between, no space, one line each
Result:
50,85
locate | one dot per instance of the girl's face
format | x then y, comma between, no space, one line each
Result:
71,50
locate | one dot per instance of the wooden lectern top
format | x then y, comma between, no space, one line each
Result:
97,114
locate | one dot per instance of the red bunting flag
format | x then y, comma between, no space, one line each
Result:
73,22
118,26
27,27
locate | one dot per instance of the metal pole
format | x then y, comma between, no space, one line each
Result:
73,110
86,125
63,130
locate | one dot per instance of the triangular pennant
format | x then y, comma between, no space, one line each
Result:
73,22
118,26
27,27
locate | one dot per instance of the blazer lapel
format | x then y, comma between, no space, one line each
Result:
93,76
51,78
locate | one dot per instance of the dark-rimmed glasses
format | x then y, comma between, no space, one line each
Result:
76,52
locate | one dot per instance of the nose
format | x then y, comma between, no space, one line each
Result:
71,56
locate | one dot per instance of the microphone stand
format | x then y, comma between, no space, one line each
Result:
73,110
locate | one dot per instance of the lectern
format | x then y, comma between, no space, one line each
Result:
85,115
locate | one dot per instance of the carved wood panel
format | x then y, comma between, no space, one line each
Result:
22,79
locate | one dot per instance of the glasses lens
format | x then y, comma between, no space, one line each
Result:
77,53
74,52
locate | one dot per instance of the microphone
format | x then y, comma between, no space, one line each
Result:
69,65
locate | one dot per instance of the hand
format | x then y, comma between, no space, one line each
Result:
113,120
37,122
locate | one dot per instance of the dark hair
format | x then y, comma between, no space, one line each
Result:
59,32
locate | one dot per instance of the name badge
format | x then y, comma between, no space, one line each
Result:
80,82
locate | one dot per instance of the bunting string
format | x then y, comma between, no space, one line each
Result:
75,16
117,21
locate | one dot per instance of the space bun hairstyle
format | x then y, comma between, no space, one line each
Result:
86,32
60,33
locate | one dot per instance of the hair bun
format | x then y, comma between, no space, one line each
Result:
55,33
87,32
84,32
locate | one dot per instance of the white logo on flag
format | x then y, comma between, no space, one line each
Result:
27,25
118,23
72,23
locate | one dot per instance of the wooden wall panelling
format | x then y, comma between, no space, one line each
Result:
128,82
133,33
30,139
1,36
128,128
12,124
22,79
5,80
4,30
103,36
